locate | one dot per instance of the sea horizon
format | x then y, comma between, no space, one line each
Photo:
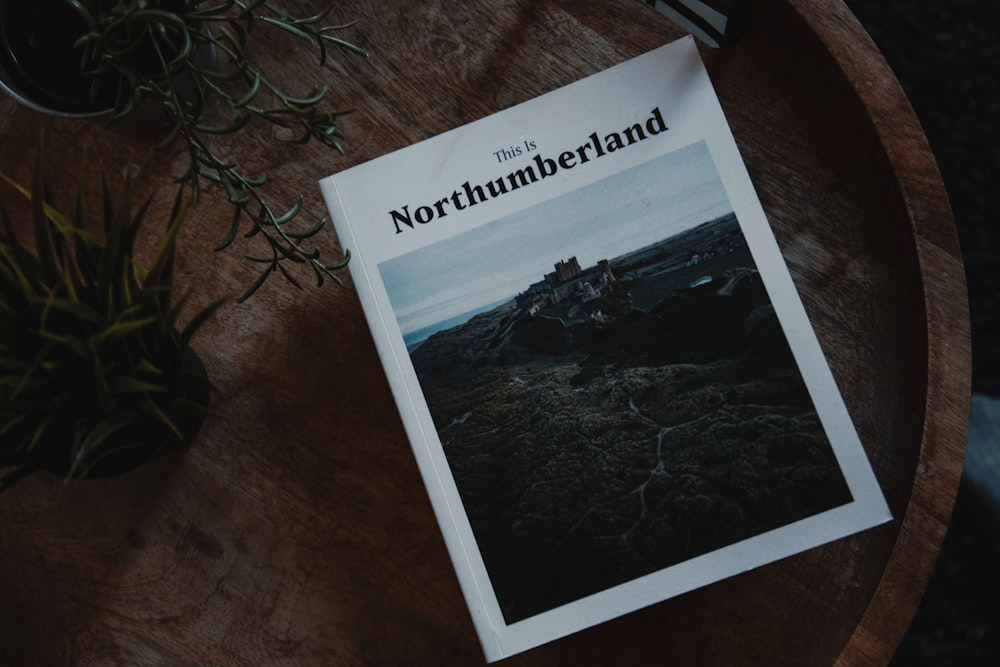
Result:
414,338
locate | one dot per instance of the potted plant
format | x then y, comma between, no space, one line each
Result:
122,56
96,377
40,62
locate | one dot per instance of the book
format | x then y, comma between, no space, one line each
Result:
609,382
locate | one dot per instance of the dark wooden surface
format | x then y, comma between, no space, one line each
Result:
295,529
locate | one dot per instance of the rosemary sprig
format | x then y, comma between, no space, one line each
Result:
155,50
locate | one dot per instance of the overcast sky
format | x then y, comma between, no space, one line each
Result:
622,213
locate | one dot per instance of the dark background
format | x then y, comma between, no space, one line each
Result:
945,55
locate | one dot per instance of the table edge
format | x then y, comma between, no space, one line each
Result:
924,522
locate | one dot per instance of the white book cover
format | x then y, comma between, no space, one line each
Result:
610,385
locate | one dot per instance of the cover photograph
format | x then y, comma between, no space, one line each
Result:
607,377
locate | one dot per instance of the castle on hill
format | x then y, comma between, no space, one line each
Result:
568,281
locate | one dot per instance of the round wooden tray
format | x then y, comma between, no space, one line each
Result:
296,530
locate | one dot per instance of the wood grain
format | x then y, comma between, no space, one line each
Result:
295,529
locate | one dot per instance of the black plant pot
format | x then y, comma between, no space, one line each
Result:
149,443
146,442
39,65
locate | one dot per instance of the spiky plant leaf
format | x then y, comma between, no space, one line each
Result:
92,364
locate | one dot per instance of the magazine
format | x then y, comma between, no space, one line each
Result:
609,382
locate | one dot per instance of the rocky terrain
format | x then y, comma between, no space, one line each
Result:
592,454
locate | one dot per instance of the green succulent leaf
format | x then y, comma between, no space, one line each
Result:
130,385
91,359
121,330
90,444
234,229
200,318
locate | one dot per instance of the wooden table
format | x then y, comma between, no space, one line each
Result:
295,529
